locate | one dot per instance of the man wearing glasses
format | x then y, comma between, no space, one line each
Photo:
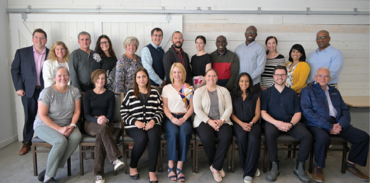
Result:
281,110
325,56
252,57
152,59
326,114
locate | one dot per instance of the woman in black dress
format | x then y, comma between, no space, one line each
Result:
200,62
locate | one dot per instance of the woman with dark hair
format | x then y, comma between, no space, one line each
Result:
98,105
298,69
273,59
213,108
200,62
142,113
104,54
247,129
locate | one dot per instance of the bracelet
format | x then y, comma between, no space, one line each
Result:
171,118
251,122
72,125
292,124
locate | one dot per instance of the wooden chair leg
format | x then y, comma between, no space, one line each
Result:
81,161
69,166
196,156
294,150
34,155
193,155
344,157
125,158
310,164
264,169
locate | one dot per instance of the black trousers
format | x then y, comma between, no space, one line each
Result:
142,138
210,138
249,144
358,138
299,132
30,111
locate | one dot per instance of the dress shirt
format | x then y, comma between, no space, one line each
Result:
332,111
39,61
147,61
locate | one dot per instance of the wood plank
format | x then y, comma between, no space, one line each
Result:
357,101
73,36
64,34
114,36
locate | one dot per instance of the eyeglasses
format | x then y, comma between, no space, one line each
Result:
157,35
320,76
323,37
105,42
250,32
280,75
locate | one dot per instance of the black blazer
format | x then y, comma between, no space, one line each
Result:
24,71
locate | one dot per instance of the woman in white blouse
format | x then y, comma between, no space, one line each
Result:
213,108
58,55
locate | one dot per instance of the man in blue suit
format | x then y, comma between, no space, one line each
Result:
27,78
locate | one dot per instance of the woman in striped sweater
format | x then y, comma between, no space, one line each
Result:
142,112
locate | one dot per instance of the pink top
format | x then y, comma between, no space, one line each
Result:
39,61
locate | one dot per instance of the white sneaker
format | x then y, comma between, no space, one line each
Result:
99,179
118,164
258,173
248,179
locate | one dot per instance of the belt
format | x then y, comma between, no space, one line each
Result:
38,87
178,113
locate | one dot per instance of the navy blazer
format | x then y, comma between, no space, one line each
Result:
24,71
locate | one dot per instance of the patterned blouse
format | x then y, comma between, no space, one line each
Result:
289,80
125,70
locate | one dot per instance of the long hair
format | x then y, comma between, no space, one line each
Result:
52,56
237,90
100,51
267,39
136,86
299,48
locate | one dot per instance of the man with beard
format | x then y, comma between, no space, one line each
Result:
226,63
252,57
281,110
176,54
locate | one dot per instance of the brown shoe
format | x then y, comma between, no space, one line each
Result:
25,148
318,174
356,173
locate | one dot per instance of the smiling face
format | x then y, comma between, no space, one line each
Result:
84,41
131,48
141,79
177,40
211,78
296,55
250,34
280,76
322,77
104,44
322,42
199,44
60,51
61,77
271,45
100,81
39,41
157,37
221,44
177,74
244,83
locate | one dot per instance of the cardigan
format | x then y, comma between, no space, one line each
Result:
132,109
300,75
202,104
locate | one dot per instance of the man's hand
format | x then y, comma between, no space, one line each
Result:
20,92
336,129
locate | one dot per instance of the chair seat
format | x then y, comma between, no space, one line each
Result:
336,139
37,140
90,139
285,137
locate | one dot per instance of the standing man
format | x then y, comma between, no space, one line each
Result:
252,57
281,110
326,114
27,78
176,54
325,56
82,64
152,59
226,63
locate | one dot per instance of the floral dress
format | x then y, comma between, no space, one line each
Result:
125,70
289,79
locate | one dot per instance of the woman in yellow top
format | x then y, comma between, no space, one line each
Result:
298,69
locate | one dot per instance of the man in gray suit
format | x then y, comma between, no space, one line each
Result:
27,78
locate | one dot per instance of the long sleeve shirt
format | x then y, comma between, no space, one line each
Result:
147,61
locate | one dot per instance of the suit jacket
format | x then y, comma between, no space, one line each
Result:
171,57
24,71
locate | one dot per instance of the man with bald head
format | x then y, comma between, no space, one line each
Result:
325,56
226,63
252,57
327,115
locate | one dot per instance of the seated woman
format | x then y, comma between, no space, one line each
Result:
142,113
178,107
58,55
298,69
247,129
213,108
55,123
98,105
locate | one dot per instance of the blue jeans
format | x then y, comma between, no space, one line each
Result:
177,136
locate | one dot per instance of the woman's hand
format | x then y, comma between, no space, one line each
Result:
176,121
149,125
140,124
213,124
219,122
66,130
102,120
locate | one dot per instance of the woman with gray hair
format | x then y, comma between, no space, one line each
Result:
58,112
127,64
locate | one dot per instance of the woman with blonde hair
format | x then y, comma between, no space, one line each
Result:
58,55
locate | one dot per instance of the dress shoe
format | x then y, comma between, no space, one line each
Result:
41,175
351,169
135,177
273,173
155,181
299,171
25,148
318,174
51,180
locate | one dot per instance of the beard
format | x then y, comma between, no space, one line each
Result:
178,47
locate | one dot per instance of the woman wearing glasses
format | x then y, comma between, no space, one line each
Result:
298,69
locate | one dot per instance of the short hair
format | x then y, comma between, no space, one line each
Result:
100,51
211,69
95,75
280,67
129,40
156,29
299,48
59,67
182,69
39,30
175,33
136,86
52,56
325,68
83,33
202,38
267,39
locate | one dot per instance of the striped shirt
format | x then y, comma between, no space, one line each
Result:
132,109
266,78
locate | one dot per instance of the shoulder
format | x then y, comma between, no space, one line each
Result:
213,53
240,47
155,92
74,90
280,56
223,89
303,64
25,49
47,91
109,93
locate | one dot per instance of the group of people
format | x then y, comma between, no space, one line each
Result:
218,95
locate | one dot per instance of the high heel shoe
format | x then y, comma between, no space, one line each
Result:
155,181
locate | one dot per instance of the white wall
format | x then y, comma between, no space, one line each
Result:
8,132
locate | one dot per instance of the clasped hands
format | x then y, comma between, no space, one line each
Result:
336,129
247,126
178,121
144,126
102,120
283,126
215,124
66,130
